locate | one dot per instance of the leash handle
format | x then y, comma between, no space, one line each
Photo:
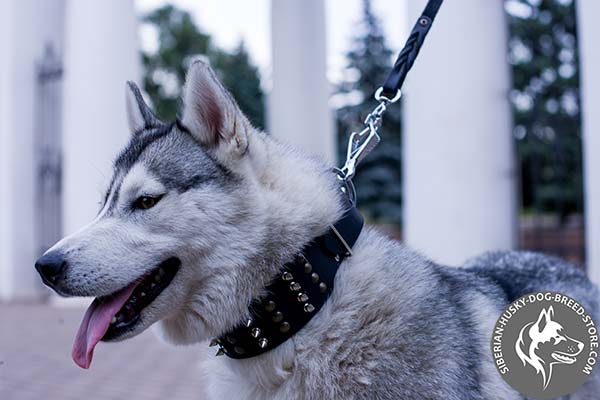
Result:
409,52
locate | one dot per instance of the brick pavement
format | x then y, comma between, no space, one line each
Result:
35,361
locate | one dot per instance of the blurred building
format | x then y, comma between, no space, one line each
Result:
62,74
62,119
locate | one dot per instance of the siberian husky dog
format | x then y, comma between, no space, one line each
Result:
543,343
199,218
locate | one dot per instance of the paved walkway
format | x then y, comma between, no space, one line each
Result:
35,361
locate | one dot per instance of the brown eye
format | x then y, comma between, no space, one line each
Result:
145,202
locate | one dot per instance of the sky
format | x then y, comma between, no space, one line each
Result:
229,21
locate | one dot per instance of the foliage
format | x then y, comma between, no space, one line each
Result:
179,40
545,99
378,178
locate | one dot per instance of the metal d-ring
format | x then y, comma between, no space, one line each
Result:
346,185
379,97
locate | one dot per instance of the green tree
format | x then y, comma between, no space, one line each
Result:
179,40
545,99
378,178
241,77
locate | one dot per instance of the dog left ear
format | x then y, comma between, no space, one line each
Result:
139,114
210,113
544,318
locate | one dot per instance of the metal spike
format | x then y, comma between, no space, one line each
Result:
214,342
302,297
314,277
255,332
220,352
307,268
278,316
270,306
262,343
287,276
323,287
284,327
249,323
295,286
309,308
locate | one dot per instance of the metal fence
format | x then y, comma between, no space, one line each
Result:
47,151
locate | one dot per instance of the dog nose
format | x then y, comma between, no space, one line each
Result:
50,266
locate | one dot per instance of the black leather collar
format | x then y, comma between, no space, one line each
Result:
297,294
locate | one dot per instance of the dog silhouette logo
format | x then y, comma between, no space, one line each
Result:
544,343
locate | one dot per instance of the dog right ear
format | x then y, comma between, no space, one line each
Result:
210,113
139,115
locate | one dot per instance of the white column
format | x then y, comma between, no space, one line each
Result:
459,172
589,56
26,26
101,54
298,104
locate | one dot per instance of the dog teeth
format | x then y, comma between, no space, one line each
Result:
113,320
142,294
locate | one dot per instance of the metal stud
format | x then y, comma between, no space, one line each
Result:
287,276
255,332
214,342
220,352
314,277
239,350
262,343
284,327
307,268
323,287
249,323
278,316
302,297
270,306
231,339
309,308
337,258
300,259
295,286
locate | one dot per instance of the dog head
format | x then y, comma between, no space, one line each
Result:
544,343
192,224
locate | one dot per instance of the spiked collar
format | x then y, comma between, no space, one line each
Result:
297,293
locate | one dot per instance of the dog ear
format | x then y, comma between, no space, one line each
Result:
139,114
210,113
544,318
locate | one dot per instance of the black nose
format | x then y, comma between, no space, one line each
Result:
50,266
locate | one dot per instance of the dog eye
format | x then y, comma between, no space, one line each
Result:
145,202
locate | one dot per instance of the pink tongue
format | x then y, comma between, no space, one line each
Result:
94,325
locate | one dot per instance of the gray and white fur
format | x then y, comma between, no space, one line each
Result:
236,205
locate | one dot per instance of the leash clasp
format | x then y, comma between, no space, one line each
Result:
362,143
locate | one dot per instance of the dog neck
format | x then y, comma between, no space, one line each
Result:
297,294
303,198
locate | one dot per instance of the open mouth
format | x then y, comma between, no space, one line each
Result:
563,358
109,317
